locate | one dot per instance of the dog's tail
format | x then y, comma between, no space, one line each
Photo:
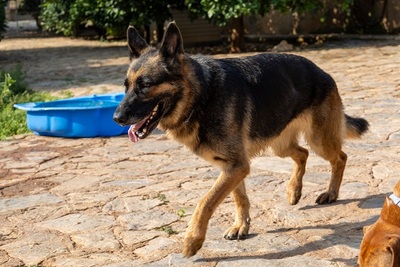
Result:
355,127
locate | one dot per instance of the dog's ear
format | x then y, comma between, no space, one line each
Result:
393,247
396,189
367,228
172,44
136,43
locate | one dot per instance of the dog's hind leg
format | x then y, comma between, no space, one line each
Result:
240,227
326,140
299,155
286,145
229,179
338,165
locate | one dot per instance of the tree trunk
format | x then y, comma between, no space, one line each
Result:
160,31
296,21
146,33
236,35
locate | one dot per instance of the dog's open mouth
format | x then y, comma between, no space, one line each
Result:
145,127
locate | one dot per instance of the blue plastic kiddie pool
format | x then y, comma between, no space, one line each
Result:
87,116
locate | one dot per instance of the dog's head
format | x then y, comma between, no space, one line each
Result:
380,246
153,84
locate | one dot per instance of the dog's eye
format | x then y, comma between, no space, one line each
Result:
145,85
142,86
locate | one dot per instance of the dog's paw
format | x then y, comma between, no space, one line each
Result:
293,196
326,198
191,245
237,232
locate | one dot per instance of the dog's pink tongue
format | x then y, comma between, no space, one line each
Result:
132,136
135,127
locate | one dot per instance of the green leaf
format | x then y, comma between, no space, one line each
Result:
210,13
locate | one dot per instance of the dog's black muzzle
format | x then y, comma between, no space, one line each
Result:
120,116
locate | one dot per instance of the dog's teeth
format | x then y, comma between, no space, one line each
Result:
144,130
154,112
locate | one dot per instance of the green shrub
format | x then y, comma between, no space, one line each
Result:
14,89
107,17
56,16
68,16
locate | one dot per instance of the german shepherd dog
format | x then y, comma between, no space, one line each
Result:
228,111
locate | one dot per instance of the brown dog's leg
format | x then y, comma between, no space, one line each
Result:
240,227
338,164
299,155
227,181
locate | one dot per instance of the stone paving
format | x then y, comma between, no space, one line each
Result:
108,202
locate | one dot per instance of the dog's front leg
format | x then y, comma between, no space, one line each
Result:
227,181
241,226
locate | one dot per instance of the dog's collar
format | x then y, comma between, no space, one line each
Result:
395,199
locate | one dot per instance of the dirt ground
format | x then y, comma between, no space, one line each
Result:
58,64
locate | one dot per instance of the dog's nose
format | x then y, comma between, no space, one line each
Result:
119,118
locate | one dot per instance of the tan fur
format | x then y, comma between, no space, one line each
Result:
183,110
396,189
132,76
380,246
227,182
157,90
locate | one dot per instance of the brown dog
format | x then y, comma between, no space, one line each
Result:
380,246
227,111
